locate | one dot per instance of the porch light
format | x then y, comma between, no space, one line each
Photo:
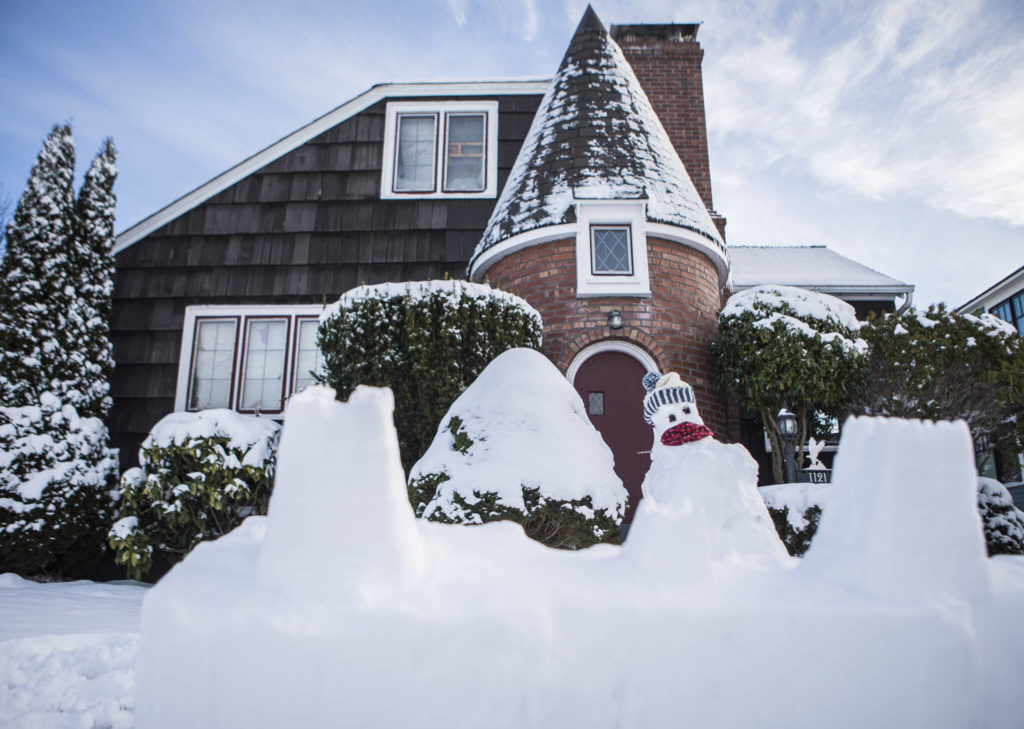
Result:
787,427
615,319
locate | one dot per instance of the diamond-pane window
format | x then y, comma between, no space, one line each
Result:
611,251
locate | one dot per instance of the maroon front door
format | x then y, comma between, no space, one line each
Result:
611,385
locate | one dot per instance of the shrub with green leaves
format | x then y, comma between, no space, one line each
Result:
201,474
427,341
517,445
941,365
781,346
1003,522
58,484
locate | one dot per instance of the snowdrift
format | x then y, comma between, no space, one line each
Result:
341,609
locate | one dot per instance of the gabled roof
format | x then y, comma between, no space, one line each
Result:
596,136
813,267
996,293
296,139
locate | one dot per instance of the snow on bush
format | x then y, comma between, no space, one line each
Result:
784,347
518,445
796,511
200,475
941,365
1004,523
426,341
56,482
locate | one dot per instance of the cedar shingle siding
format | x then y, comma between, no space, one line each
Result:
303,229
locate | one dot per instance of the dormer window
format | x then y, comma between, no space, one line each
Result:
444,149
611,248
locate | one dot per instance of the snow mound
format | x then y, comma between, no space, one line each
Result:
250,434
527,428
902,520
803,303
277,624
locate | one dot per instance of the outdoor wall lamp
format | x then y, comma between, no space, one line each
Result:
615,319
787,427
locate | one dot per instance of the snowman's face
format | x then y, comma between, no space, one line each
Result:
672,414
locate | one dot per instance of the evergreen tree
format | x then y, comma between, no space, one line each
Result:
35,299
94,267
56,469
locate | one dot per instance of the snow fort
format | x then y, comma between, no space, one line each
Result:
340,608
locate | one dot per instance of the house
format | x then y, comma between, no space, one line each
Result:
586,194
1004,299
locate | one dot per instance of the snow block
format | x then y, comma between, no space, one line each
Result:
669,546
339,513
902,521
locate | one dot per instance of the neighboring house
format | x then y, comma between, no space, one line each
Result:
586,194
1004,299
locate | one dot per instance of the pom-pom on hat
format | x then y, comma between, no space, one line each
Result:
670,388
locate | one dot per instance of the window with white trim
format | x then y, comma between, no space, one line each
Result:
611,248
248,359
441,149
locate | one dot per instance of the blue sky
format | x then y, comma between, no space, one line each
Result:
892,131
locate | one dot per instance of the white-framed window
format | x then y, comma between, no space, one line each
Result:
246,358
611,248
440,149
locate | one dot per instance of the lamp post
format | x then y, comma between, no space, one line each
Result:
787,426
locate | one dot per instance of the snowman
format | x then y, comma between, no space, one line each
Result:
692,473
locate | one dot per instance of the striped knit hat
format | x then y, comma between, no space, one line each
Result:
669,388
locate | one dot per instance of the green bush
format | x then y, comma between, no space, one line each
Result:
427,341
781,346
1004,523
57,486
201,474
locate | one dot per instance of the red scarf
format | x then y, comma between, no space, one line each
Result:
685,433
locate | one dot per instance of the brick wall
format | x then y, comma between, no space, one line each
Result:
668,67
675,325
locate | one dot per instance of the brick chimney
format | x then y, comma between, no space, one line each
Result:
667,62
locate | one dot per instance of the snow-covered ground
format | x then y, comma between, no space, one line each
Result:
67,654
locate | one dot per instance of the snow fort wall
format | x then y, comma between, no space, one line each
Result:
499,631
675,324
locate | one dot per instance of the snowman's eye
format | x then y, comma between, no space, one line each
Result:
671,418
686,409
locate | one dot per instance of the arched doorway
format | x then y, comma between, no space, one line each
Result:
609,378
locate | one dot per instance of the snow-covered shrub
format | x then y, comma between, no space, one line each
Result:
426,341
941,365
1004,523
796,511
57,486
518,445
781,346
201,474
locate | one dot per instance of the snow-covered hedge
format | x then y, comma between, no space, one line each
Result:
426,341
201,474
941,365
796,512
518,445
782,346
57,486
1004,523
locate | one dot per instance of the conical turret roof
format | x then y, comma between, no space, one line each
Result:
596,136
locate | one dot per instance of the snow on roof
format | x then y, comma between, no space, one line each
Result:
814,267
595,136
